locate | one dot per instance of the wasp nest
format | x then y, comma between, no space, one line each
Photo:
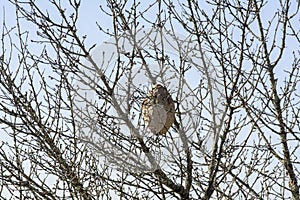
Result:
158,110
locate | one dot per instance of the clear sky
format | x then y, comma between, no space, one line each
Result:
90,13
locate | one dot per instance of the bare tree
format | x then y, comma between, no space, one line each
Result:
70,112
